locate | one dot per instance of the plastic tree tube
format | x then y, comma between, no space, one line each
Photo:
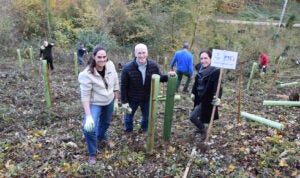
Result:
31,55
75,63
254,66
281,103
289,84
47,84
267,122
20,59
165,64
152,112
163,97
171,88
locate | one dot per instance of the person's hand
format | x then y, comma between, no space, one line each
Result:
127,108
193,97
41,58
89,123
172,73
116,106
216,101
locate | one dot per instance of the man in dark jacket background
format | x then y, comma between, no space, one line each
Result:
80,53
46,53
136,78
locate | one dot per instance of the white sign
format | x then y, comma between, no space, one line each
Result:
224,59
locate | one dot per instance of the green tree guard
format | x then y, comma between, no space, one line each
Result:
76,63
47,84
153,111
267,122
289,84
171,88
130,56
31,55
20,59
281,103
163,97
165,64
254,66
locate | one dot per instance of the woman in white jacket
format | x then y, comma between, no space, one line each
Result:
99,85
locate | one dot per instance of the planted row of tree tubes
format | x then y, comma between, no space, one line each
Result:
170,97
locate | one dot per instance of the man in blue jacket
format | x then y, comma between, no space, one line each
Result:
184,60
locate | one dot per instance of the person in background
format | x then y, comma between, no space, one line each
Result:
99,85
184,61
136,78
204,93
263,62
81,51
46,53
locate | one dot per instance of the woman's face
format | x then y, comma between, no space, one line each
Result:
100,59
205,59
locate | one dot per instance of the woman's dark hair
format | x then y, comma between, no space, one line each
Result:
205,51
91,62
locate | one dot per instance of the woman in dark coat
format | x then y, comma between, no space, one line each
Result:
204,90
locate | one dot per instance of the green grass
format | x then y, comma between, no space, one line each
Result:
269,11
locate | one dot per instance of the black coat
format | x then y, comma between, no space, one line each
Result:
132,87
46,52
205,97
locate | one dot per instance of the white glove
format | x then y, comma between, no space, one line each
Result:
41,58
127,108
89,123
216,101
116,106
193,97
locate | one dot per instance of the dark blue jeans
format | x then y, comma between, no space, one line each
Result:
80,60
102,117
195,117
145,114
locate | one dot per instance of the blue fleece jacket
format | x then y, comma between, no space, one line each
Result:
184,60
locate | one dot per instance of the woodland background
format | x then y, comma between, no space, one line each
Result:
37,141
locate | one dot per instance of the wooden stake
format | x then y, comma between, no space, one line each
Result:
214,107
240,93
190,163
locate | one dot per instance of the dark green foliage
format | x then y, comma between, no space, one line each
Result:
91,38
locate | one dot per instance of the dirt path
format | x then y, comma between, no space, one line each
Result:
251,22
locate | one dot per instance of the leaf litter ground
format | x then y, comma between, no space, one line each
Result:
47,142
